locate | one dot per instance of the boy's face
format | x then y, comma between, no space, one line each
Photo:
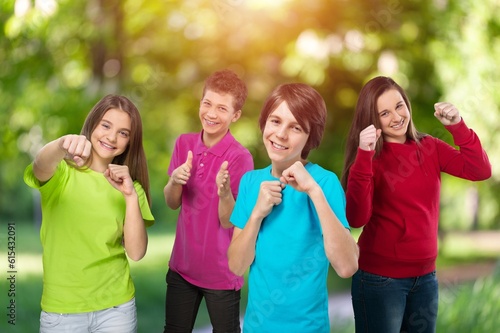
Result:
283,137
216,115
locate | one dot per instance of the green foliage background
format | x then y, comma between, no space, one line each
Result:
58,58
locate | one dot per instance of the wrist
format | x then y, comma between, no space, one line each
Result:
314,191
224,194
132,196
173,182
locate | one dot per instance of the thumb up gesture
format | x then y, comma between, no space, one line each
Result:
182,174
223,180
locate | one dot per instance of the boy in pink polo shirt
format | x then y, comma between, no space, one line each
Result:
205,172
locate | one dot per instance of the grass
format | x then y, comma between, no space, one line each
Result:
149,278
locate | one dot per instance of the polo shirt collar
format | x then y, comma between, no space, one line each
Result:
219,149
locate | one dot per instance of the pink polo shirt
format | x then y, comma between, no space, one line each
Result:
199,254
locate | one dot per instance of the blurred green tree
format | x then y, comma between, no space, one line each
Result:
60,57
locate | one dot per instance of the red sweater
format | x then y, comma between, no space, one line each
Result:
396,198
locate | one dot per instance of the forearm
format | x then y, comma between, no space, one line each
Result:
47,160
340,247
226,205
241,252
476,164
134,230
173,194
359,192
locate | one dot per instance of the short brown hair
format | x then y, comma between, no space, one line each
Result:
227,82
307,106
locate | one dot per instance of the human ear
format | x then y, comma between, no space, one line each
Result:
236,116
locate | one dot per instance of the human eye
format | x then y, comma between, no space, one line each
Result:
383,114
105,125
124,134
297,128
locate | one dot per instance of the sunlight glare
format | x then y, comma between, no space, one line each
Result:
311,45
21,7
388,63
262,4
46,7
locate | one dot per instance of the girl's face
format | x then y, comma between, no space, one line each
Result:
110,138
394,116
216,115
284,138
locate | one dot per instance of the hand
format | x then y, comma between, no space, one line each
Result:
269,196
368,137
298,177
182,174
77,148
119,177
223,180
447,113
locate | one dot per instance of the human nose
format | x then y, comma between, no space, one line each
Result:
396,116
211,112
281,132
112,137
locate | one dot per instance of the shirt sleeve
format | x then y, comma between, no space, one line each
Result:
33,182
470,161
29,177
147,216
174,160
335,196
237,168
243,207
359,193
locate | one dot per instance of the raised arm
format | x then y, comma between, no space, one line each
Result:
180,176
135,237
340,247
470,161
76,147
226,199
359,191
241,252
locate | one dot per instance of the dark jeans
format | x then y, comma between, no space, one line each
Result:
386,305
183,300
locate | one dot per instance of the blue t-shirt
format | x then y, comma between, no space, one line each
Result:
287,280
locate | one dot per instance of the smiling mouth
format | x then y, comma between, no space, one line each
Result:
106,146
210,123
277,146
399,125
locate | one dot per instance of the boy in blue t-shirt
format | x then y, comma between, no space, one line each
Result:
290,220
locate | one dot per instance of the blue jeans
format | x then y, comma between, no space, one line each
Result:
121,318
183,300
386,305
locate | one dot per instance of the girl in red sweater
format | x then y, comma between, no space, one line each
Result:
392,177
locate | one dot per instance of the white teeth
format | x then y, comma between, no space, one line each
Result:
107,146
397,126
278,146
210,122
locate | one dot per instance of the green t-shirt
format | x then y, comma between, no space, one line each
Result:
85,267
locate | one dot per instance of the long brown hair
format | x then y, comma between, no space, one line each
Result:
133,156
366,114
307,106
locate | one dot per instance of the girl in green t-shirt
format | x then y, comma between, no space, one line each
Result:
95,208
